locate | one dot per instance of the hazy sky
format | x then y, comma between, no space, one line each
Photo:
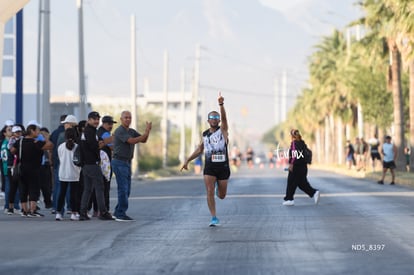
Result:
246,45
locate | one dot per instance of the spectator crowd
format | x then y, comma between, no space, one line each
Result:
69,168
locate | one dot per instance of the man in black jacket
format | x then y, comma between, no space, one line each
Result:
104,133
92,174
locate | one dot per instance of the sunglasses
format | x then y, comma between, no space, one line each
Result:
214,117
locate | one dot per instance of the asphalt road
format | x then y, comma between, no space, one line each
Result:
359,227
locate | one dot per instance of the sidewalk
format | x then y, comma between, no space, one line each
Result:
402,178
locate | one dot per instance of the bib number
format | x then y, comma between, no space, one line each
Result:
218,158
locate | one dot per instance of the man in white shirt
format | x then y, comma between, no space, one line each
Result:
389,153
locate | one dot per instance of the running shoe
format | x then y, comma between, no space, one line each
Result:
84,217
35,214
124,219
74,217
106,217
289,203
316,196
214,221
59,217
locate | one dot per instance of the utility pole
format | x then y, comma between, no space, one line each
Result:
39,56
284,96
82,92
194,101
164,122
182,127
277,101
134,114
19,67
46,66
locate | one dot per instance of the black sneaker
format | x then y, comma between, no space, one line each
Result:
106,217
124,219
10,211
24,214
392,183
35,214
380,182
84,217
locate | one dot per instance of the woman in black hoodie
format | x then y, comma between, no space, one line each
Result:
298,171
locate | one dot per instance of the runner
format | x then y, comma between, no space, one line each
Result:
216,168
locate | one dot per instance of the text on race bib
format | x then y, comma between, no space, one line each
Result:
218,158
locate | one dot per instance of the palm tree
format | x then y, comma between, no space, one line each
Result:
378,19
328,69
404,31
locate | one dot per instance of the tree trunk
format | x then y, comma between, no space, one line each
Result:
327,141
398,105
411,65
341,143
318,141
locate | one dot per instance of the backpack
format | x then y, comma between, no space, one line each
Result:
77,156
307,153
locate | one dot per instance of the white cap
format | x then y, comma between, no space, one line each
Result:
16,129
70,119
34,122
9,122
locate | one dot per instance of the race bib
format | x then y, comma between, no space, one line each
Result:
218,158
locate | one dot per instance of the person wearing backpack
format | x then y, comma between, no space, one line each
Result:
69,175
298,171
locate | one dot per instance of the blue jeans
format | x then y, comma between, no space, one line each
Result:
122,171
56,186
6,194
56,190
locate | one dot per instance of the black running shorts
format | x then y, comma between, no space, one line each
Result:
220,172
375,156
390,164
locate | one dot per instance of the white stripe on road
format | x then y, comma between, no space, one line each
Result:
350,194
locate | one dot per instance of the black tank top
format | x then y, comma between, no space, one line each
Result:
215,148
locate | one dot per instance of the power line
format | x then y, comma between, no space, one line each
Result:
99,22
240,92
271,71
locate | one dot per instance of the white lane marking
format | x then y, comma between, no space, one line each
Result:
349,194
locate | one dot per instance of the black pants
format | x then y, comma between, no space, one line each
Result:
29,186
14,186
93,203
298,178
75,195
92,179
3,186
46,184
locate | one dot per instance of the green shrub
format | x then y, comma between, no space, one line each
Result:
148,163
173,161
